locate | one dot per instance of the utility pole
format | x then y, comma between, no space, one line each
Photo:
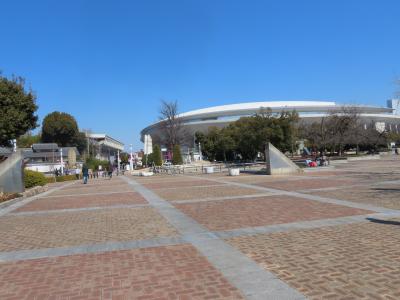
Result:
118,161
201,156
61,161
131,159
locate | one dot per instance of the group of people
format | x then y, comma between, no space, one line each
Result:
86,173
319,161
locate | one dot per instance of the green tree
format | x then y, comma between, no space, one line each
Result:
249,135
17,109
157,155
61,128
94,163
124,157
218,144
177,156
27,140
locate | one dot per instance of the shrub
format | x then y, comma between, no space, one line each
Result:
65,178
94,163
177,156
32,178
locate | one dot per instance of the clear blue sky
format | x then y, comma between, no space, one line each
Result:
108,63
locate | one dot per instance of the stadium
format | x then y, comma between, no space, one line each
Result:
384,118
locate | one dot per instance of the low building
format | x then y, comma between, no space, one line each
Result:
47,157
103,146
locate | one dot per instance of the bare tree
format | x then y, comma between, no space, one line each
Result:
171,124
342,127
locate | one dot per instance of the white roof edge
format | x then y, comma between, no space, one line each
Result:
103,135
256,105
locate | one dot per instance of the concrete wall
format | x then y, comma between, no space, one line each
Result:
11,174
278,163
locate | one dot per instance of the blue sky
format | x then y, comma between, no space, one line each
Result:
108,63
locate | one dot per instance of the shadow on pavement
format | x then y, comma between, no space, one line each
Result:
387,222
386,190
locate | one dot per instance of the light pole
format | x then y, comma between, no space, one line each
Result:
118,161
131,159
201,156
61,161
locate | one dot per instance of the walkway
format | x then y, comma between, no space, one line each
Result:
328,234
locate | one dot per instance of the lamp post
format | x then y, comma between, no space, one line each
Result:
131,159
61,161
118,161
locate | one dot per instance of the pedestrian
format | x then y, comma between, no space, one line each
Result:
110,170
85,173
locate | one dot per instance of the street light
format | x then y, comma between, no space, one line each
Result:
61,161
131,160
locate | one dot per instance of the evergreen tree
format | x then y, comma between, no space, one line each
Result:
17,110
157,155
176,155
61,128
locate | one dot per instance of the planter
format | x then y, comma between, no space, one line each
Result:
146,174
234,172
209,170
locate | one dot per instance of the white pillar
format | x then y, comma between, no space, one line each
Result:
131,160
118,161
61,161
201,156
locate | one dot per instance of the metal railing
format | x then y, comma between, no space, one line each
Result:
200,169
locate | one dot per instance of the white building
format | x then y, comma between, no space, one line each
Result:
106,147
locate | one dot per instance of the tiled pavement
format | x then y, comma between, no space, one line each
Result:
261,211
321,235
90,200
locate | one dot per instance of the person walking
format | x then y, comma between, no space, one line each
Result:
85,173
110,170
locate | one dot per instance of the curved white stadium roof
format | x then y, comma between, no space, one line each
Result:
255,106
228,113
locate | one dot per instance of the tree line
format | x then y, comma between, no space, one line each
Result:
18,118
246,138
338,131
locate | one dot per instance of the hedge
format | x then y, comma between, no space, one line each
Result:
66,178
63,178
32,178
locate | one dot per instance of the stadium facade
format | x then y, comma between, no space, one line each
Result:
384,118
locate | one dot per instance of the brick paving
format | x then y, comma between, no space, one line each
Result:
179,184
171,272
161,251
384,195
359,261
204,192
83,201
92,190
75,228
303,184
261,211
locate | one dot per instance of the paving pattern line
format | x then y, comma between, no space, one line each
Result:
86,194
186,187
309,197
12,207
244,197
251,279
375,184
89,248
69,210
302,225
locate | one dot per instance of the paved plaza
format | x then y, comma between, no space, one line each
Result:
330,233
